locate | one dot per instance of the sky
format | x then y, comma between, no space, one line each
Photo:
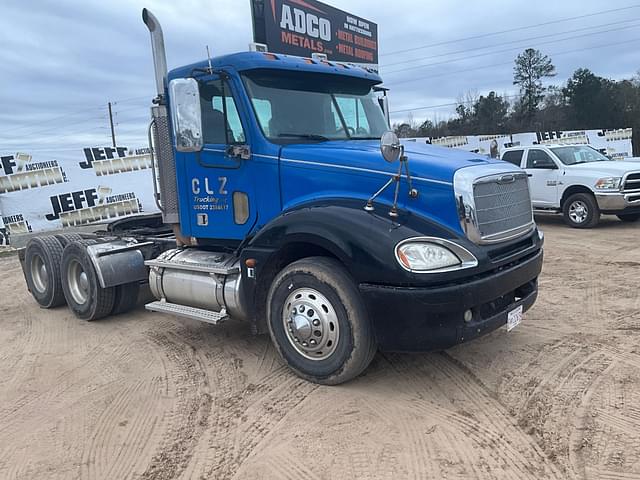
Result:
63,60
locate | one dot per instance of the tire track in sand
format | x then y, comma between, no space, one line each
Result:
188,420
473,409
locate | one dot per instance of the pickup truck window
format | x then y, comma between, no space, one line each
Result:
298,107
539,159
513,156
574,155
215,110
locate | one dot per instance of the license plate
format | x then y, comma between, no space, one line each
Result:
514,317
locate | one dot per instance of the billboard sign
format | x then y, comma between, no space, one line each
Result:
303,27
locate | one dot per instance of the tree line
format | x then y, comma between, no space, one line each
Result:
586,101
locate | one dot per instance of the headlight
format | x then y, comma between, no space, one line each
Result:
608,183
428,254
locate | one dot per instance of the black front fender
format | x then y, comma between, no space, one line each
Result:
363,241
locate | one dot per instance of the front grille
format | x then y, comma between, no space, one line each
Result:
632,182
502,207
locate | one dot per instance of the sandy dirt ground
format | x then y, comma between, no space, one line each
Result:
147,396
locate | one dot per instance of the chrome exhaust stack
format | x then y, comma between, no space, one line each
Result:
165,181
157,48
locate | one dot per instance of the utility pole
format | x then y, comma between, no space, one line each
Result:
113,132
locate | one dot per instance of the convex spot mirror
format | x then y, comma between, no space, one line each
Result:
186,117
390,147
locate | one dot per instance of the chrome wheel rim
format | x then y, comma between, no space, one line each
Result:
311,324
78,282
578,211
39,274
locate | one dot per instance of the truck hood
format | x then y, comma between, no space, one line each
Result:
425,161
356,169
600,169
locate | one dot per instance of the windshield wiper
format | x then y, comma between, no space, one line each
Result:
308,136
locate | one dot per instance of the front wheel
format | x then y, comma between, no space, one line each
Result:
581,211
318,322
629,217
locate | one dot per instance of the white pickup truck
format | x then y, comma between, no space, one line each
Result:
579,182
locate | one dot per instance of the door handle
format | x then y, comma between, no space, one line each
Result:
239,151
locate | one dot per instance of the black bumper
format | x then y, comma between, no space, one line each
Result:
423,319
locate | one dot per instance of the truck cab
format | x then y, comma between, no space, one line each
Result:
579,182
293,208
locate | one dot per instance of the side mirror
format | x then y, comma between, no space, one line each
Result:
186,116
544,165
390,147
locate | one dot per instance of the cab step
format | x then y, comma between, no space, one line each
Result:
208,316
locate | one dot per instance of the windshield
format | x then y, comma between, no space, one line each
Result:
579,154
296,107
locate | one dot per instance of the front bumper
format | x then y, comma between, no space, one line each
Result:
408,319
618,202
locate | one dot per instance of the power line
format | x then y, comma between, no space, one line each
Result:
516,41
491,66
511,63
528,27
495,52
53,119
71,114
452,104
52,129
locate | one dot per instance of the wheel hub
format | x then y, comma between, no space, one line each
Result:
39,274
311,324
578,212
78,283
301,327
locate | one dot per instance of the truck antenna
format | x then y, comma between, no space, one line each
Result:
209,58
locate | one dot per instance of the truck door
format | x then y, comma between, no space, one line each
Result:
220,180
543,178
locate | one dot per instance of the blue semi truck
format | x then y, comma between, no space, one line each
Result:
286,202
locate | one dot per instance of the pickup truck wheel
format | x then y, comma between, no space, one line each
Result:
581,211
42,260
318,322
629,217
85,297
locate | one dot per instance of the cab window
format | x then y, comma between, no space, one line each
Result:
354,114
513,156
539,159
220,119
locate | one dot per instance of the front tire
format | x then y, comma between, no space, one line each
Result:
581,211
318,322
629,217
85,297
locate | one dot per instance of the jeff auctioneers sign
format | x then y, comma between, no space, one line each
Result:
303,27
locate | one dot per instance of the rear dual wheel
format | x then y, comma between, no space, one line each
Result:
42,259
85,297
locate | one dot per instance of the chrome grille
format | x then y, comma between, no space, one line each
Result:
631,182
502,206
